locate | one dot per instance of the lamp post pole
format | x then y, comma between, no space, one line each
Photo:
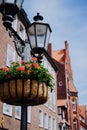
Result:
23,117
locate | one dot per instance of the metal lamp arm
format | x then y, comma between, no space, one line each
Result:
19,43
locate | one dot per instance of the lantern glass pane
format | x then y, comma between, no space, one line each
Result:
47,37
9,1
1,2
40,34
32,36
19,3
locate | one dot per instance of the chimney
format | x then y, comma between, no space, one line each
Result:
49,49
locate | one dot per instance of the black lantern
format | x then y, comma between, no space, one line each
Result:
9,8
39,34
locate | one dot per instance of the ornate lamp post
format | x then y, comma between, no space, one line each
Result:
38,35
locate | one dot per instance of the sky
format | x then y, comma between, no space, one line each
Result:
68,21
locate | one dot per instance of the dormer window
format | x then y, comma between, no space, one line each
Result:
74,104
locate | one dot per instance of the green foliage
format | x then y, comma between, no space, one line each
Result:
27,70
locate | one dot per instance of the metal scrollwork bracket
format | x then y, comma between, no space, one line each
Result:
19,43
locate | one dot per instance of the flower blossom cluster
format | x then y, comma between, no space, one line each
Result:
27,70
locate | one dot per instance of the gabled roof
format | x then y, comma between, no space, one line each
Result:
72,87
59,55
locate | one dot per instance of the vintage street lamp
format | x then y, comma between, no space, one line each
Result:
38,35
9,9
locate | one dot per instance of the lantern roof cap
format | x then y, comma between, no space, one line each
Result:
38,17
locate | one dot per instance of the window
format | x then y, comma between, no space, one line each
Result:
74,104
50,123
18,112
40,118
14,24
59,111
7,109
75,124
10,55
50,100
22,31
54,101
60,83
45,120
54,124
29,115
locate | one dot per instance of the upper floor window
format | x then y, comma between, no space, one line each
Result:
74,104
7,109
54,124
50,123
45,120
14,24
18,113
22,31
40,118
10,55
75,124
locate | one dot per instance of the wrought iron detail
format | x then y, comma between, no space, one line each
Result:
19,43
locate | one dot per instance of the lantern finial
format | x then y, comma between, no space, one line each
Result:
38,17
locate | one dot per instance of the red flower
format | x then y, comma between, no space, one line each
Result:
27,65
21,68
35,65
34,59
29,71
23,62
5,69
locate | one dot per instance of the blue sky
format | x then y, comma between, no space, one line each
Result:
68,20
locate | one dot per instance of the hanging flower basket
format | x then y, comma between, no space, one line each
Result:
20,91
25,83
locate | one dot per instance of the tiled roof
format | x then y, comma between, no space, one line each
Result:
72,87
61,102
59,55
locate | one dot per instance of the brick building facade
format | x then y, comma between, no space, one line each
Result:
67,94
40,117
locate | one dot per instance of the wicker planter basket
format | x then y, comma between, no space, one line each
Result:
22,91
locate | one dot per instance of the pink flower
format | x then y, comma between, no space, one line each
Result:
21,68
5,69
34,59
35,65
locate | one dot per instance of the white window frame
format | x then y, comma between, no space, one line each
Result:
74,104
54,124
7,109
45,120
10,55
50,123
40,118
22,33
18,112
14,23
29,115
54,101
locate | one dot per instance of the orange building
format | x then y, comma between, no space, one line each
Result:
83,117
